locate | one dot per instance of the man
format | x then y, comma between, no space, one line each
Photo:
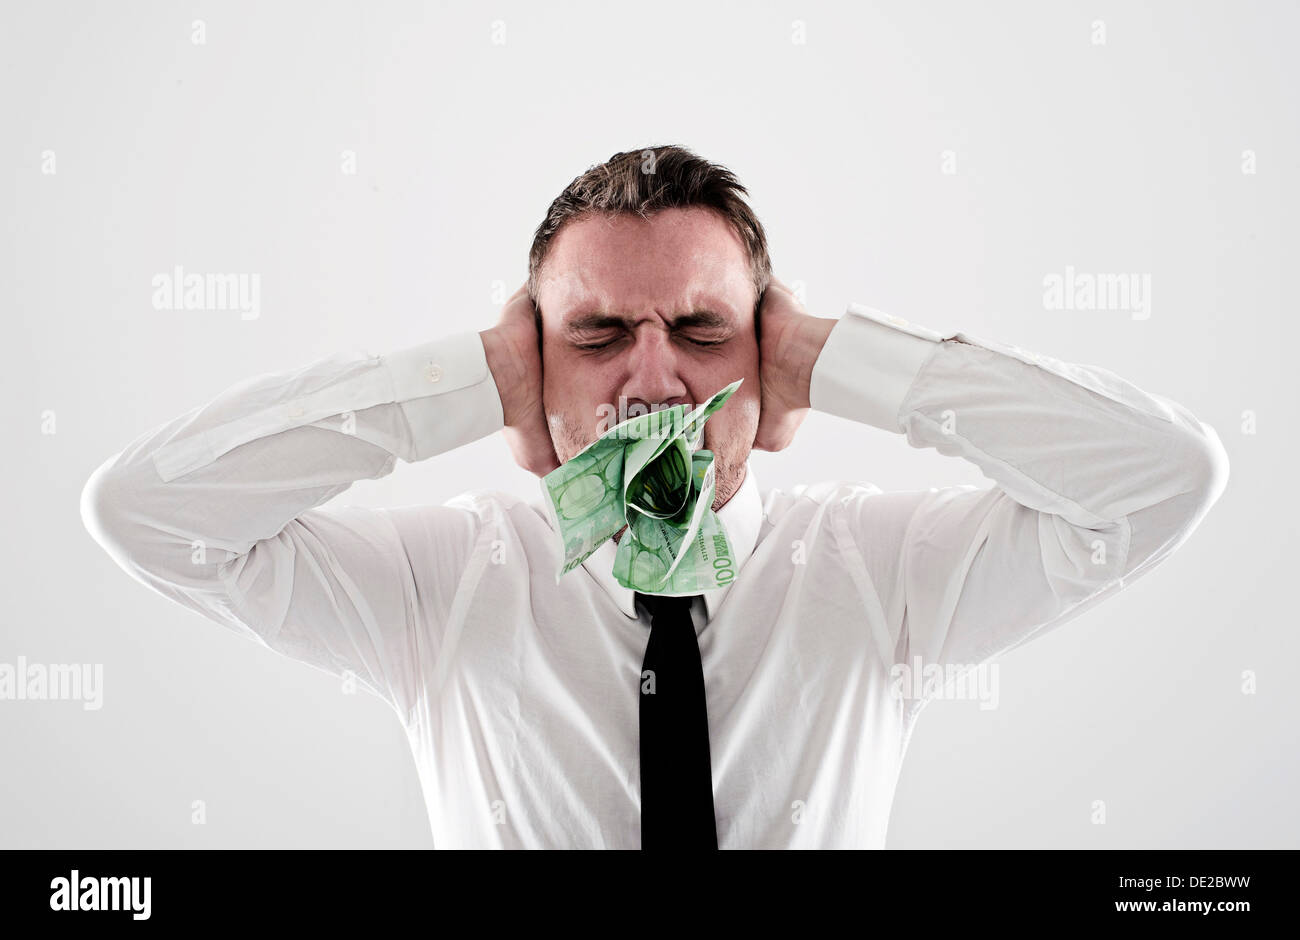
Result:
525,698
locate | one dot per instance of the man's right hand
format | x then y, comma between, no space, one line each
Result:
513,355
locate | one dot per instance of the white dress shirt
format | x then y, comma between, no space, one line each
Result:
519,694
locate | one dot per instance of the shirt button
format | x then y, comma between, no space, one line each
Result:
433,372
295,411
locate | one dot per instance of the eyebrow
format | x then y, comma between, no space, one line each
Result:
590,322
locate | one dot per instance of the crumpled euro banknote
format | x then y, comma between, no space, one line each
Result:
646,473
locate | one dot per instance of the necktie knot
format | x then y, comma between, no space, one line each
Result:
663,606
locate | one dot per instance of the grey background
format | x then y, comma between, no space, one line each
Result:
1122,157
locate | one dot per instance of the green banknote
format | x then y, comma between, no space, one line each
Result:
649,474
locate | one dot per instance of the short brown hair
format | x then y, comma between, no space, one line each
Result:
642,182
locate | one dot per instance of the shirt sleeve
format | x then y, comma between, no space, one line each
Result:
1095,482
216,508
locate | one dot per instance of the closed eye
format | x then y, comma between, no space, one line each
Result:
591,347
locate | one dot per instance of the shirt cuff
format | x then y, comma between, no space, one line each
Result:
867,365
447,393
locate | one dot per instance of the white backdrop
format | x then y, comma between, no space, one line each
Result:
935,160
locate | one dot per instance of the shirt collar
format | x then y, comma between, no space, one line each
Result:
741,517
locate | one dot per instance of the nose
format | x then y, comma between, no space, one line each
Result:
654,380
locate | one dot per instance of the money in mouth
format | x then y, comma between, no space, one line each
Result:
649,474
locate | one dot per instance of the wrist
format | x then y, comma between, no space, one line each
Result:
504,368
869,365
800,345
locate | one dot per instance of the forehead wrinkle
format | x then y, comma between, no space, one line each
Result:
595,302
701,285
586,302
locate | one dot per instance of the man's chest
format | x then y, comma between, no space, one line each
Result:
537,703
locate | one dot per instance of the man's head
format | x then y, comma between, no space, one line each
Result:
646,275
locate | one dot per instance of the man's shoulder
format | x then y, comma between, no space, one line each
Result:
499,505
823,493
857,499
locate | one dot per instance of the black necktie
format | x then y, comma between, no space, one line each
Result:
676,775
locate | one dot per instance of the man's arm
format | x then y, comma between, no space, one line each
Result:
216,508
1096,481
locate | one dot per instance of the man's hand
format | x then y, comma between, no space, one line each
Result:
513,356
792,341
